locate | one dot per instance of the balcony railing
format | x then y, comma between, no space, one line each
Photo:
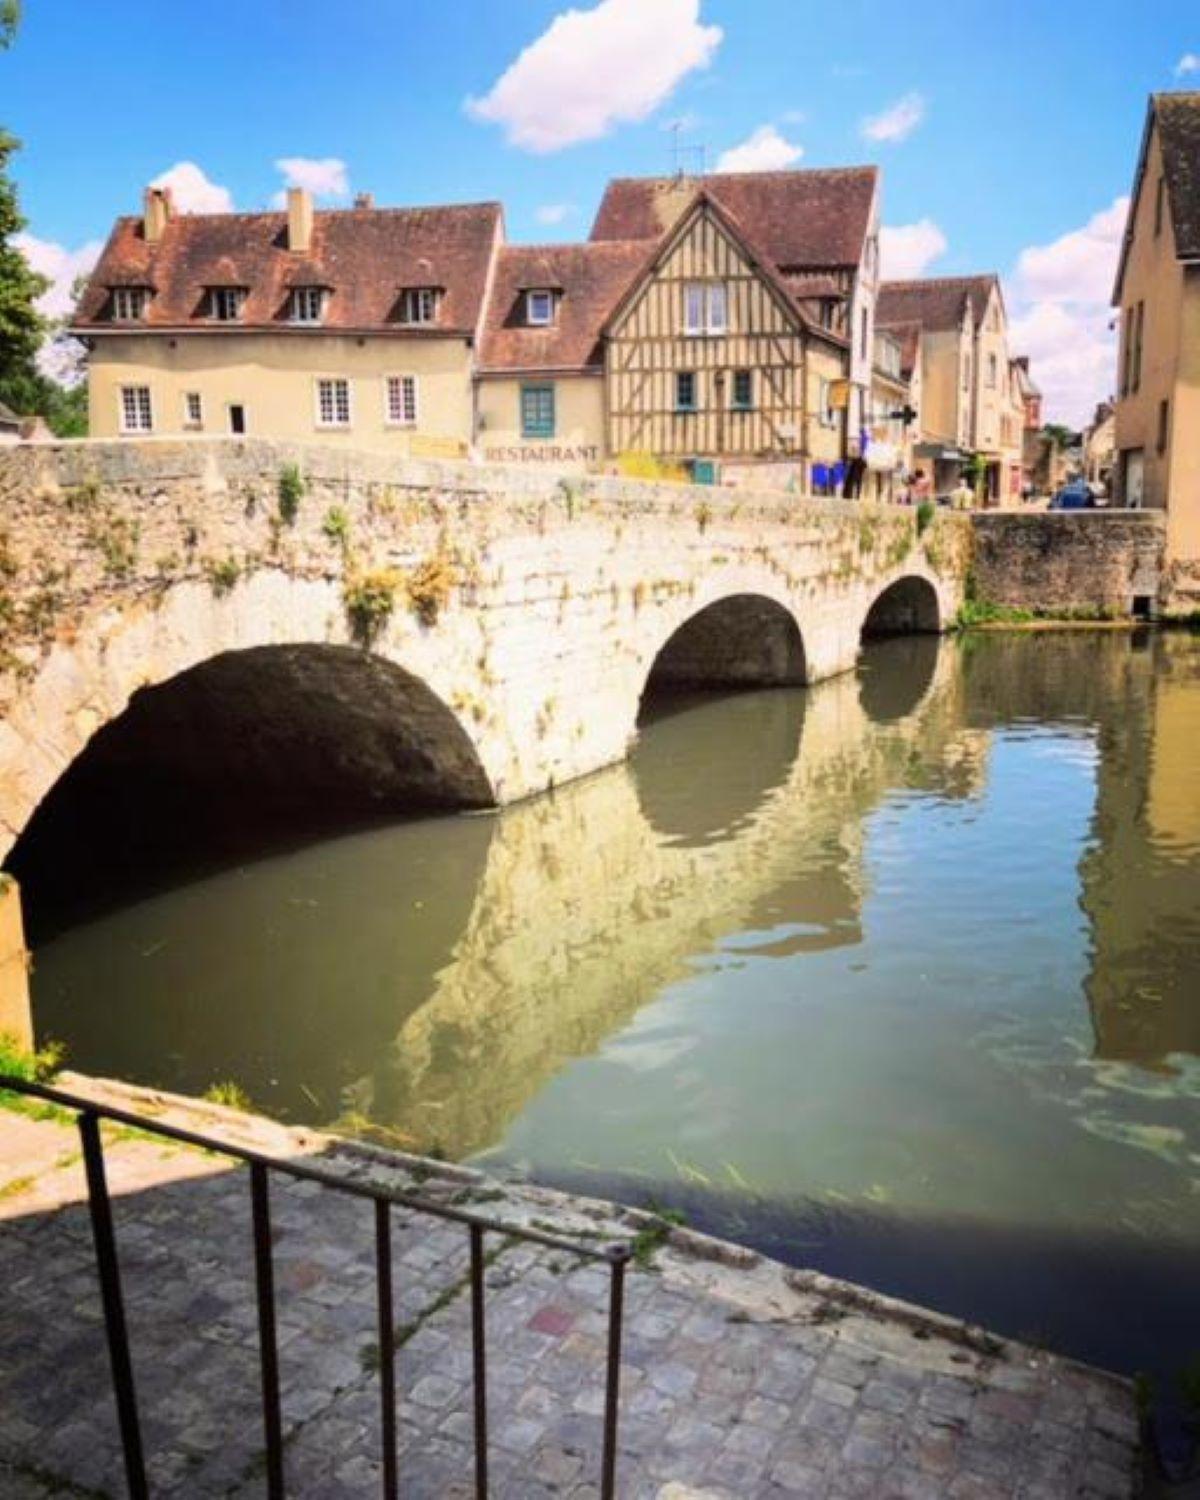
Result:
89,1115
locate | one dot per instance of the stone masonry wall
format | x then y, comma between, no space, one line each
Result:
1075,562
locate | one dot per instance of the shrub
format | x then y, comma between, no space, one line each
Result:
369,601
223,575
429,587
291,488
925,514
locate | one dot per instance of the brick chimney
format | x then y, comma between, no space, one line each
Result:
364,200
157,210
299,220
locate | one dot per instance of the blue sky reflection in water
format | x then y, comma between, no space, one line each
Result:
898,977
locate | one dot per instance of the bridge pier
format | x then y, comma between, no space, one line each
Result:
16,1010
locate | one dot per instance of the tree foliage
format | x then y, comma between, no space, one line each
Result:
10,14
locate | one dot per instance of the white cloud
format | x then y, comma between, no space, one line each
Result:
192,192
553,213
591,70
908,250
1188,63
59,358
765,150
1079,266
1060,297
323,176
897,122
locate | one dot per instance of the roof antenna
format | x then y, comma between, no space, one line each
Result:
682,155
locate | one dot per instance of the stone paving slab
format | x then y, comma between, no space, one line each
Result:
741,1380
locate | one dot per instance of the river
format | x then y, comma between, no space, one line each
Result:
897,976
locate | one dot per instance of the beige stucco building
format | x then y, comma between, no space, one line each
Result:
1157,418
970,403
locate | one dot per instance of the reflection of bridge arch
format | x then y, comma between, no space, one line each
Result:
293,737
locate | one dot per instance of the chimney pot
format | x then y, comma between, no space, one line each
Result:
299,219
364,200
157,211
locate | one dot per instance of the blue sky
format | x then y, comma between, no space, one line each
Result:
1002,129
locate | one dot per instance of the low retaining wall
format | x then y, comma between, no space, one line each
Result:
1071,562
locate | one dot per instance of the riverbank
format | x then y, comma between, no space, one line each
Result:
741,1378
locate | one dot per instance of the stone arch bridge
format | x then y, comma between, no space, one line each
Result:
335,627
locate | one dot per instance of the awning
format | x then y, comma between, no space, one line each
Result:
939,453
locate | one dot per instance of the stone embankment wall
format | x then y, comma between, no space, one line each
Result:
1086,563
511,617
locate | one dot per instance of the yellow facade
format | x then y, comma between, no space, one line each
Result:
578,440
273,379
1158,377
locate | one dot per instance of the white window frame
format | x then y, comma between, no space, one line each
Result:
188,419
307,305
225,303
144,408
532,298
419,305
705,309
827,417
403,376
128,304
334,423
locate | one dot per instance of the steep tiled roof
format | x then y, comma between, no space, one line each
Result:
800,219
935,303
1179,138
590,279
365,256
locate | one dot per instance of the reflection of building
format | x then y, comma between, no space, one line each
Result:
1158,294
970,404
1141,878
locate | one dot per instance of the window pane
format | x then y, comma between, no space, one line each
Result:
537,411
693,307
716,307
685,390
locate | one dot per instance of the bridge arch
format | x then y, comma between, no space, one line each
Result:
743,640
262,688
909,605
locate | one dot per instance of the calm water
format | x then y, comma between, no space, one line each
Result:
898,977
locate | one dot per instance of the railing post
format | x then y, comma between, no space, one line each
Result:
618,1259
387,1345
114,1308
260,1199
478,1336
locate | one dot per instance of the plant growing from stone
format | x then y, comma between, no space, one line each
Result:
291,490
429,587
369,601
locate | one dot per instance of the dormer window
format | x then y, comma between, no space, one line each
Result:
308,304
419,304
225,303
129,303
539,307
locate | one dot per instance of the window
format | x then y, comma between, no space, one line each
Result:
1126,348
705,307
966,372
136,412
401,401
743,389
992,369
333,403
193,409
237,419
539,308
863,328
128,303
419,304
308,304
1164,422
1139,327
225,303
685,390
537,411
1159,205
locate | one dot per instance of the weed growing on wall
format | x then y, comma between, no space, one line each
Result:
223,574
291,491
370,600
336,526
429,587
925,514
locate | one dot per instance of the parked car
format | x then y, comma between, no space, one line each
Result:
1074,496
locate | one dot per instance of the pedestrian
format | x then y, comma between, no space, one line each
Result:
962,497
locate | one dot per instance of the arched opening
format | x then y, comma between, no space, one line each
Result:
894,675
907,607
744,641
252,749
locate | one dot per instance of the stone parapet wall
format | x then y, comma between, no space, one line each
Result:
1095,562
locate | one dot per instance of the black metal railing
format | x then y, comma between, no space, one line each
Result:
89,1115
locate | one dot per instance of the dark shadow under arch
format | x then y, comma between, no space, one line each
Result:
248,751
743,641
907,607
895,673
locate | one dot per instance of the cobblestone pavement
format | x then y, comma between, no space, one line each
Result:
740,1380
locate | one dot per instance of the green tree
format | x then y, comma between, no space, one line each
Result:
21,325
10,14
